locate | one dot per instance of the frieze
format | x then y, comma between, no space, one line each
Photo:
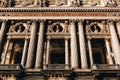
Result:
47,3
53,14
43,14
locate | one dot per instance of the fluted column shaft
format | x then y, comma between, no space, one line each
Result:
24,55
66,52
40,47
2,32
90,52
118,28
31,48
48,50
82,45
74,51
5,52
115,42
109,51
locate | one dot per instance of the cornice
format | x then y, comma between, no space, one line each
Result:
61,9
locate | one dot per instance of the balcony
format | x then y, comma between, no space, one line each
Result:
105,68
16,68
56,67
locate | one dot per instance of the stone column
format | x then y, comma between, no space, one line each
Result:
5,52
31,48
115,41
2,32
108,51
74,50
90,52
24,55
66,52
40,47
118,27
48,50
82,45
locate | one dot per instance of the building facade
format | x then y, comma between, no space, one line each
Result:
60,39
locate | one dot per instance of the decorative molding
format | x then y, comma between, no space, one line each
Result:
61,9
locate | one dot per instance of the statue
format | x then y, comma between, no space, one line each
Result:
38,3
94,2
74,3
3,3
111,3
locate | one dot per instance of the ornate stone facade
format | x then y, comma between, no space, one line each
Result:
59,40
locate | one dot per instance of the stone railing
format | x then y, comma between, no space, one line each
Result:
105,67
56,67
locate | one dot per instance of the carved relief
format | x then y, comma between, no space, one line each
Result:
22,3
111,3
46,3
91,2
74,3
3,3
57,2
96,27
94,2
19,28
57,27
117,1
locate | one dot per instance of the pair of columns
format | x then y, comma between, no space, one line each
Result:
74,51
115,44
115,40
74,58
31,49
107,43
66,51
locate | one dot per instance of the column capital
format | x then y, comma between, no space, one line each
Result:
48,37
28,22
110,21
66,38
80,20
4,20
66,22
118,21
107,39
9,37
72,21
41,20
27,37
89,38
34,20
